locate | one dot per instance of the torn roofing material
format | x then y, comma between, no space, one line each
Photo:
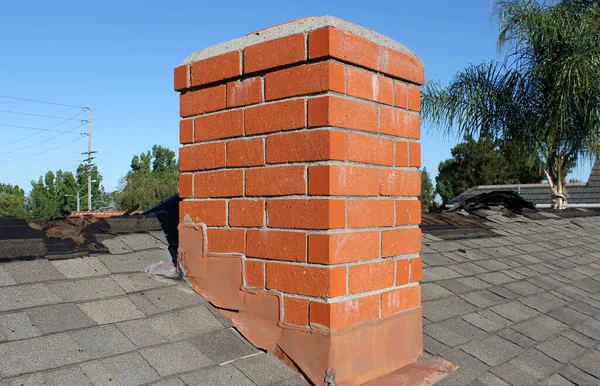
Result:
63,238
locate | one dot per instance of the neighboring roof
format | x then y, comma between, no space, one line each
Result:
513,299
102,320
540,194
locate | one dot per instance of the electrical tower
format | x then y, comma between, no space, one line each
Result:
89,160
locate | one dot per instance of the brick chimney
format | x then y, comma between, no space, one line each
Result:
299,184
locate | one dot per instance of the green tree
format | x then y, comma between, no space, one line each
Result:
12,201
545,97
55,194
427,196
484,162
153,177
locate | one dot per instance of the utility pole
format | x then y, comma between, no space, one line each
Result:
89,160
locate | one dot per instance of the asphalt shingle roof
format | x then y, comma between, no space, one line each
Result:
101,320
518,306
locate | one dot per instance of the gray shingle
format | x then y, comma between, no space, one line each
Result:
560,348
263,369
222,346
438,310
543,302
59,317
536,363
515,311
540,328
493,350
175,358
218,376
482,298
453,332
128,369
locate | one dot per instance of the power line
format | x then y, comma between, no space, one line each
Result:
40,130
47,139
41,152
36,115
36,101
34,128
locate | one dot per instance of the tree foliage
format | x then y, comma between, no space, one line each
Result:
545,97
484,162
55,194
12,201
153,177
427,196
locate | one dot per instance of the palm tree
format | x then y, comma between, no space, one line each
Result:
545,96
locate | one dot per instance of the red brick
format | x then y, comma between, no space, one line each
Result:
202,101
403,66
255,273
272,117
244,92
246,152
338,180
400,123
414,98
217,68
369,85
305,79
400,95
226,240
370,213
340,112
369,149
246,213
220,125
416,270
186,184
415,154
295,311
402,154
402,272
319,145
208,212
181,76
400,299
202,157
306,280
276,245
336,316
306,214
371,276
408,212
274,53
276,181
224,183
332,42
186,131
400,183
340,248
400,242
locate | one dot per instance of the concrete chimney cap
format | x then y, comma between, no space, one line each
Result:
294,27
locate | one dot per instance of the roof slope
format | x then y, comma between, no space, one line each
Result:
540,194
517,305
101,320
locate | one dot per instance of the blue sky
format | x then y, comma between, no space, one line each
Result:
118,57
